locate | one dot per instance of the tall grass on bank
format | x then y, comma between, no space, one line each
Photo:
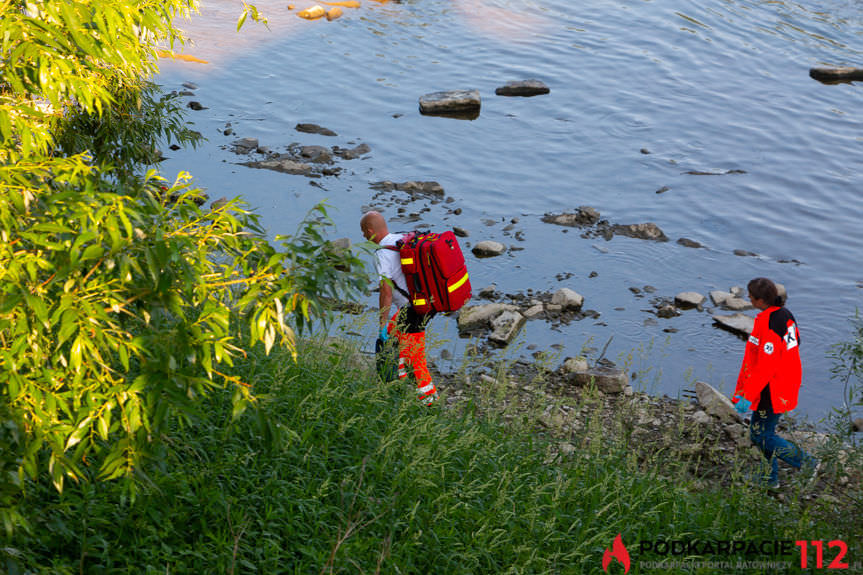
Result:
337,472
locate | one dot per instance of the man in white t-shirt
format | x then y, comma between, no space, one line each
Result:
406,324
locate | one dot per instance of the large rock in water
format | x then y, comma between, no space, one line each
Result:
488,249
739,323
525,88
715,403
480,316
505,327
843,74
567,299
451,102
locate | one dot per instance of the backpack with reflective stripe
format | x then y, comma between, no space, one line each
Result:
435,271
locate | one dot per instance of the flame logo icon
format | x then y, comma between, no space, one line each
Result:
619,552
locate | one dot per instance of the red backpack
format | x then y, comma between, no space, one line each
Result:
435,271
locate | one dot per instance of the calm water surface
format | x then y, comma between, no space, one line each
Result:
708,87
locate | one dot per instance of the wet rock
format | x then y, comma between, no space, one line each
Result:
567,299
719,297
533,311
857,425
662,190
736,304
217,204
505,327
689,299
287,166
645,231
606,379
245,145
738,323
190,85
525,88
666,311
414,188
317,154
196,106
314,129
460,232
453,101
333,13
475,317
488,249
687,243
488,292
352,153
715,403
583,216
836,75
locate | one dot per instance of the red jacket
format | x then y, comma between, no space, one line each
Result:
772,357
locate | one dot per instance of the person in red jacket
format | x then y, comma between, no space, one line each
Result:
770,378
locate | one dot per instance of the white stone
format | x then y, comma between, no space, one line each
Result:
574,364
715,403
505,327
533,311
480,316
738,323
719,297
737,304
607,379
488,248
689,298
567,299
702,418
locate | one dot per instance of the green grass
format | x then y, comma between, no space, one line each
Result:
340,473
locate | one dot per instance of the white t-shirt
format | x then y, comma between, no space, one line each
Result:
388,264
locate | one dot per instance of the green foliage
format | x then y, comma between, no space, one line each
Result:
847,367
364,480
122,302
60,57
116,311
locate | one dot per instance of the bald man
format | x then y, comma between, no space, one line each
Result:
407,325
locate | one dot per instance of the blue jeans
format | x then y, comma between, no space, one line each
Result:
762,430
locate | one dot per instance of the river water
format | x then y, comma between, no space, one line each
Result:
642,92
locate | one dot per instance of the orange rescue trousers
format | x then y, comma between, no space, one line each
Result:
412,350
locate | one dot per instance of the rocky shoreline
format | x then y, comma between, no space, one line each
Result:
701,431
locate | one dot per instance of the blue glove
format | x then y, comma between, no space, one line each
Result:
384,335
742,405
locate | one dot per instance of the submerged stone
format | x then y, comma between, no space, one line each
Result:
524,88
